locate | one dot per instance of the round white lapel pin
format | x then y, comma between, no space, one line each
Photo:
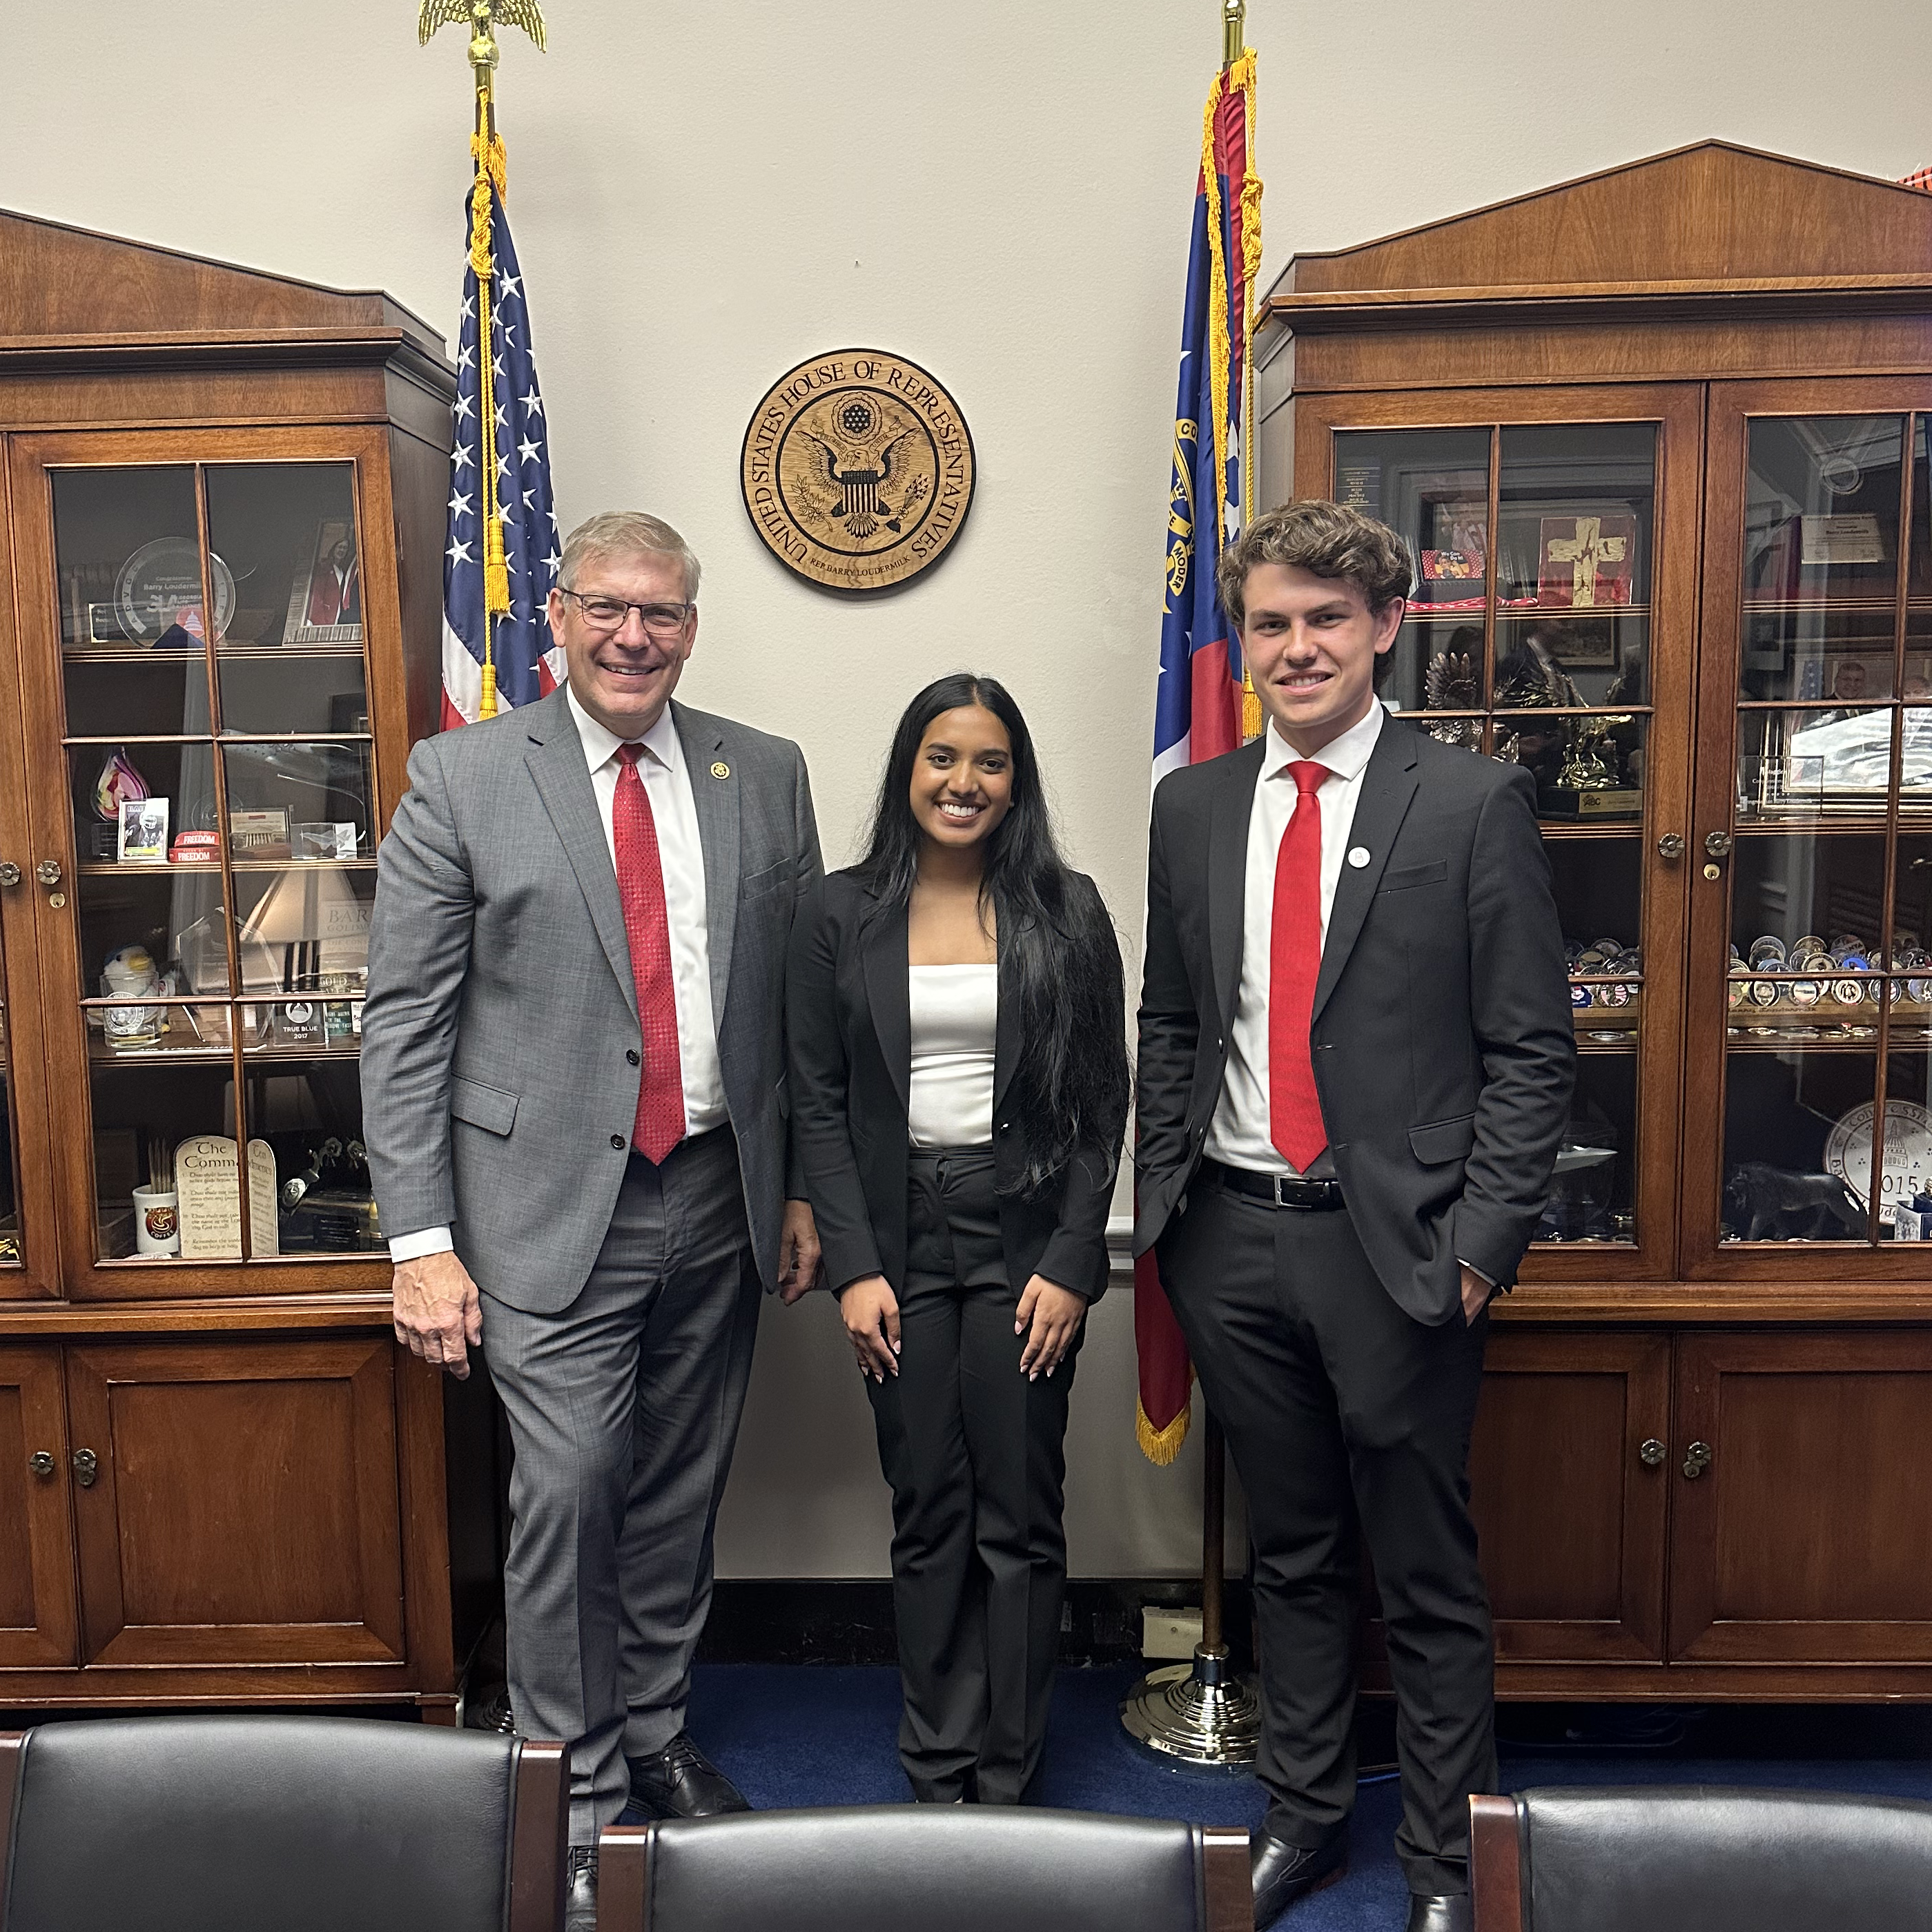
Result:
1358,856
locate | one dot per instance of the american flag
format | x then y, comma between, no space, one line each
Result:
527,664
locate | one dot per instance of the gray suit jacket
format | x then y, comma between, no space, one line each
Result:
500,1041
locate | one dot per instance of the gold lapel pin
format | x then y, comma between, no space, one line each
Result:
721,769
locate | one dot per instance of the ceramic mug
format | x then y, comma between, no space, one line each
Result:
157,1221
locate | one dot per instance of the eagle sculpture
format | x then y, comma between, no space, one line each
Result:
481,16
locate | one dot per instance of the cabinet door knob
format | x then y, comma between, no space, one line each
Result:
1717,843
10,873
1651,1454
41,1461
86,1467
1696,1459
1671,846
48,872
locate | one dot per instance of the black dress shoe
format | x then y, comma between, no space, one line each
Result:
1283,1873
580,1890
1441,1912
681,1782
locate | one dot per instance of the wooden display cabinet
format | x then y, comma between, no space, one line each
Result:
1672,512
220,1480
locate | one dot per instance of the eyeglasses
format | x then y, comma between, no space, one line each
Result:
661,622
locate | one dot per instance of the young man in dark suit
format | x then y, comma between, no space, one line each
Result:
1356,1058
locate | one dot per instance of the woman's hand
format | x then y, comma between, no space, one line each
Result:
1055,1314
871,1312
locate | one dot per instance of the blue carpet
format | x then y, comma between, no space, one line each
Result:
817,1734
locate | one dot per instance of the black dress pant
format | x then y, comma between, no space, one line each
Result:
973,1452
1346,1416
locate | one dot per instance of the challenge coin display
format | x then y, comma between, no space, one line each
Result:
858,470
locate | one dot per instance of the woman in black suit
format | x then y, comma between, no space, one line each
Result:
959,1090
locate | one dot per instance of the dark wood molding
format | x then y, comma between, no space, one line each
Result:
1734,303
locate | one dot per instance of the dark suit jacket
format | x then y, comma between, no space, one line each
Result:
850,1023
1443,1047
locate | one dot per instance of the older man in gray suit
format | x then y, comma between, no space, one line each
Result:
573,1071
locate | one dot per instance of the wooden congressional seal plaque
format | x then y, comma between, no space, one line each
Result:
858,469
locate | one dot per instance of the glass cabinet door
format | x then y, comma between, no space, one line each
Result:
1814,900
29,1249
1532,637
210,713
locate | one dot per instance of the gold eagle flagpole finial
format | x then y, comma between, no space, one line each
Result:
486,148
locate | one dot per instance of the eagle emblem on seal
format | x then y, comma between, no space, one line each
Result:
860,458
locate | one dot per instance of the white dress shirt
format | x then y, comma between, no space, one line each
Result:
955,1014
667,781
1239,1133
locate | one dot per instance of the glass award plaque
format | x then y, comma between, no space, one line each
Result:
159,591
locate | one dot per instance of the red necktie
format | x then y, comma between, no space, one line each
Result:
660,1122
1294,960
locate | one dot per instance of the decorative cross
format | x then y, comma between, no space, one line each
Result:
1585,551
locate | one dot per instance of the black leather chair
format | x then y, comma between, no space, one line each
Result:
1700,1858
929,1868
220,1824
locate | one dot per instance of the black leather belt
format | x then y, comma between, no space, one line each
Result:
1278,1190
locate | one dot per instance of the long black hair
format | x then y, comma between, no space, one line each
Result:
1070,1089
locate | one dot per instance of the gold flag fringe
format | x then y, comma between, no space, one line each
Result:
1161,1446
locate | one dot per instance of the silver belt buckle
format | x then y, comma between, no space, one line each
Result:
1280,1181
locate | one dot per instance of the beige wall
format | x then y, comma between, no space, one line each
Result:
703,194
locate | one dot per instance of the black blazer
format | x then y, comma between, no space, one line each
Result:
1443,1047
850,1021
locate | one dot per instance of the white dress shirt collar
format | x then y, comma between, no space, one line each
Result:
600,745
1346,756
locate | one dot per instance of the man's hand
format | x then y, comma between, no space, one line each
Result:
1476,1293
437,1312
798,1252
871,1312
1055,1314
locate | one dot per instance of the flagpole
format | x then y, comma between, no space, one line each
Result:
1204,1713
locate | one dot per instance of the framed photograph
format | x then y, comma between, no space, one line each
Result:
258,835
326,599
142,835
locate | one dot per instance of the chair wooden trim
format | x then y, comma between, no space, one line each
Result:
539,1832
12,1743
1496,1864
623,1880
1229,1886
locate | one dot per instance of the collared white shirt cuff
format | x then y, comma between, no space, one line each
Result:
424,1241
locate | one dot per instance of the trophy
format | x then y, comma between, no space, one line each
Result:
1589,785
